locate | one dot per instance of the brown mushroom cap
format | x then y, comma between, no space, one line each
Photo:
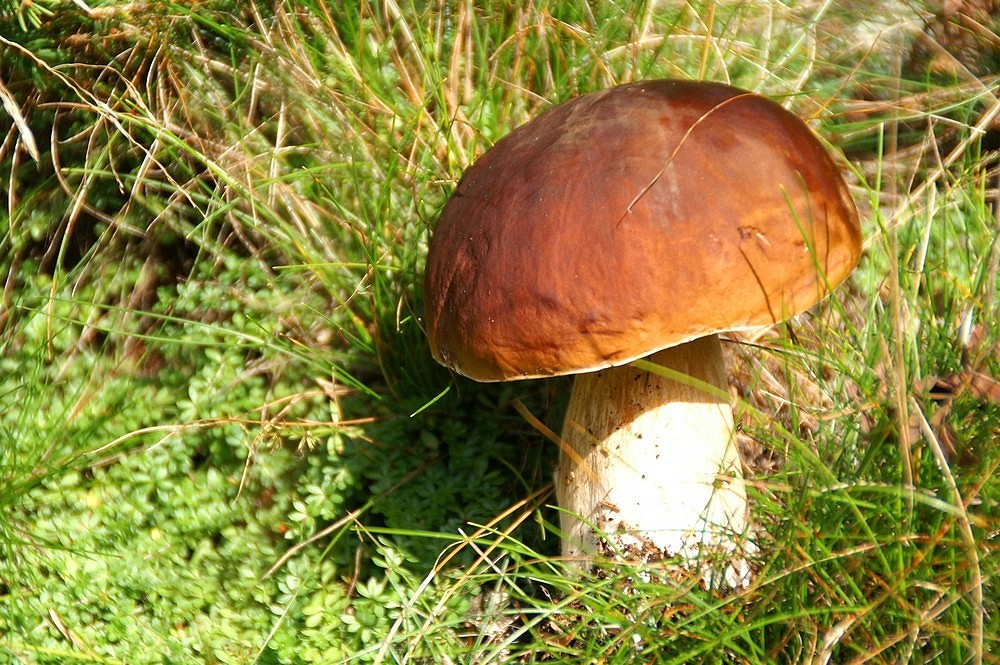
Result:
630,220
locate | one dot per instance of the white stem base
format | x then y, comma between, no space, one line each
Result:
652,467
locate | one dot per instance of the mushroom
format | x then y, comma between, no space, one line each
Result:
638,223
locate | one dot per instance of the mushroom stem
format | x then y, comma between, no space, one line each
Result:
652,470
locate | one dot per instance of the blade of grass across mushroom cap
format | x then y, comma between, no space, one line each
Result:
630,220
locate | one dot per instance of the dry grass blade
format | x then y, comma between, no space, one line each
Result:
968,537
906,209
549,434
24,130
521,510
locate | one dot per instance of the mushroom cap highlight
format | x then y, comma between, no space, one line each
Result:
630,220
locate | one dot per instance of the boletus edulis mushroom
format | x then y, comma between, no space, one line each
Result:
638,223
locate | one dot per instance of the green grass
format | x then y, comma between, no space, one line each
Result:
223,438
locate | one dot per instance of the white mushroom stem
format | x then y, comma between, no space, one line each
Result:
652,467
